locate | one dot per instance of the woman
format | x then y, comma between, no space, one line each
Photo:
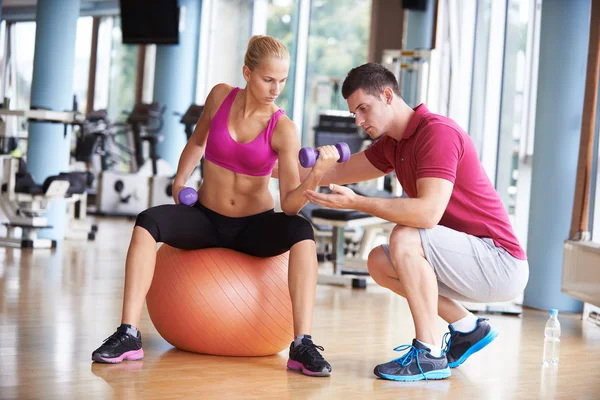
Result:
241,133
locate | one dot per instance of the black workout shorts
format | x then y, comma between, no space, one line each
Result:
264,235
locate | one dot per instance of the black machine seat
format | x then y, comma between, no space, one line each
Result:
78,181
192,114
339,215
307,212
191,117
33,189
97,116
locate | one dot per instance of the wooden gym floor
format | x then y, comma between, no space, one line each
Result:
56,307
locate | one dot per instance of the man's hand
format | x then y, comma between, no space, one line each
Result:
342,197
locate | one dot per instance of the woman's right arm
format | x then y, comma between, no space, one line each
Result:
357,169
194,148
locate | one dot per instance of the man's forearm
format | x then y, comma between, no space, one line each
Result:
402,211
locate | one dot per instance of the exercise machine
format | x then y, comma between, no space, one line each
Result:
24,203
127,193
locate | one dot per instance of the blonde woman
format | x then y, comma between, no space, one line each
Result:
241,133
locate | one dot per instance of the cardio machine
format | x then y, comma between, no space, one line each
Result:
149,181
127,193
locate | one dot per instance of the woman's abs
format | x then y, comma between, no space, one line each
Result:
232,194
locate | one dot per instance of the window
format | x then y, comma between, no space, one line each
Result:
81,69
3,66
280,24
595,188
503,100
511,112
121,82
337,42
22,51
482,38
225,28
517,112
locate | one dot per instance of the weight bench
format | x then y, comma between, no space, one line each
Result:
27,214
340,220
23,205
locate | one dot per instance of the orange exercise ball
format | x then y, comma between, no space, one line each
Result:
222,302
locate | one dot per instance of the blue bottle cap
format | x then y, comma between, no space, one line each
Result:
553,312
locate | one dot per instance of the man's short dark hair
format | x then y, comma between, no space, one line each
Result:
370,77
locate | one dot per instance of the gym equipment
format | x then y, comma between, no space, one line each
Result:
147,184
23,204
189,119
308,156
78,226
188,196
344,237
128,193
37,115
340,221
412,70
221,302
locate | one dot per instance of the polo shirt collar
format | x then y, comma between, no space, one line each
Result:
411,128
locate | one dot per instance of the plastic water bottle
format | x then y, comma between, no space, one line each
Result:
552,340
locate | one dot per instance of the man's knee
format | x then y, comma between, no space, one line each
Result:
405,242
376,263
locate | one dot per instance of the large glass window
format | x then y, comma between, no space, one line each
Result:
103,63
493,85
503,100
337,42
2,58
23,50
82,60
280,24
482,39
516,128
226,27
123,64
595,189
511,115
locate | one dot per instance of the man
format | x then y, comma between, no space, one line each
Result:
452,240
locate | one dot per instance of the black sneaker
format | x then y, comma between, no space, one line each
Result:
118,347
306,358
461,345
416,365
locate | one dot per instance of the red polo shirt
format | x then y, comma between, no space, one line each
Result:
434,146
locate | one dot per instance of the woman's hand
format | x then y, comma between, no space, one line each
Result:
328,156
175,192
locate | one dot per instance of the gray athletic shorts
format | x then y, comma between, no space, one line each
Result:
469,268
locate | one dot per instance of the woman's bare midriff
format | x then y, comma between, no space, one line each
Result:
234,195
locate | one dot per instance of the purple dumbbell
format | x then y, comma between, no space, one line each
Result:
308,156
188,196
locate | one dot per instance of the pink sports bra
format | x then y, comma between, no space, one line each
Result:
255,158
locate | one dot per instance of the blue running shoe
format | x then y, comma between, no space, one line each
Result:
461,345
417,364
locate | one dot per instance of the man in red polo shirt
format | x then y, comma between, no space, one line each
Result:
452,240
